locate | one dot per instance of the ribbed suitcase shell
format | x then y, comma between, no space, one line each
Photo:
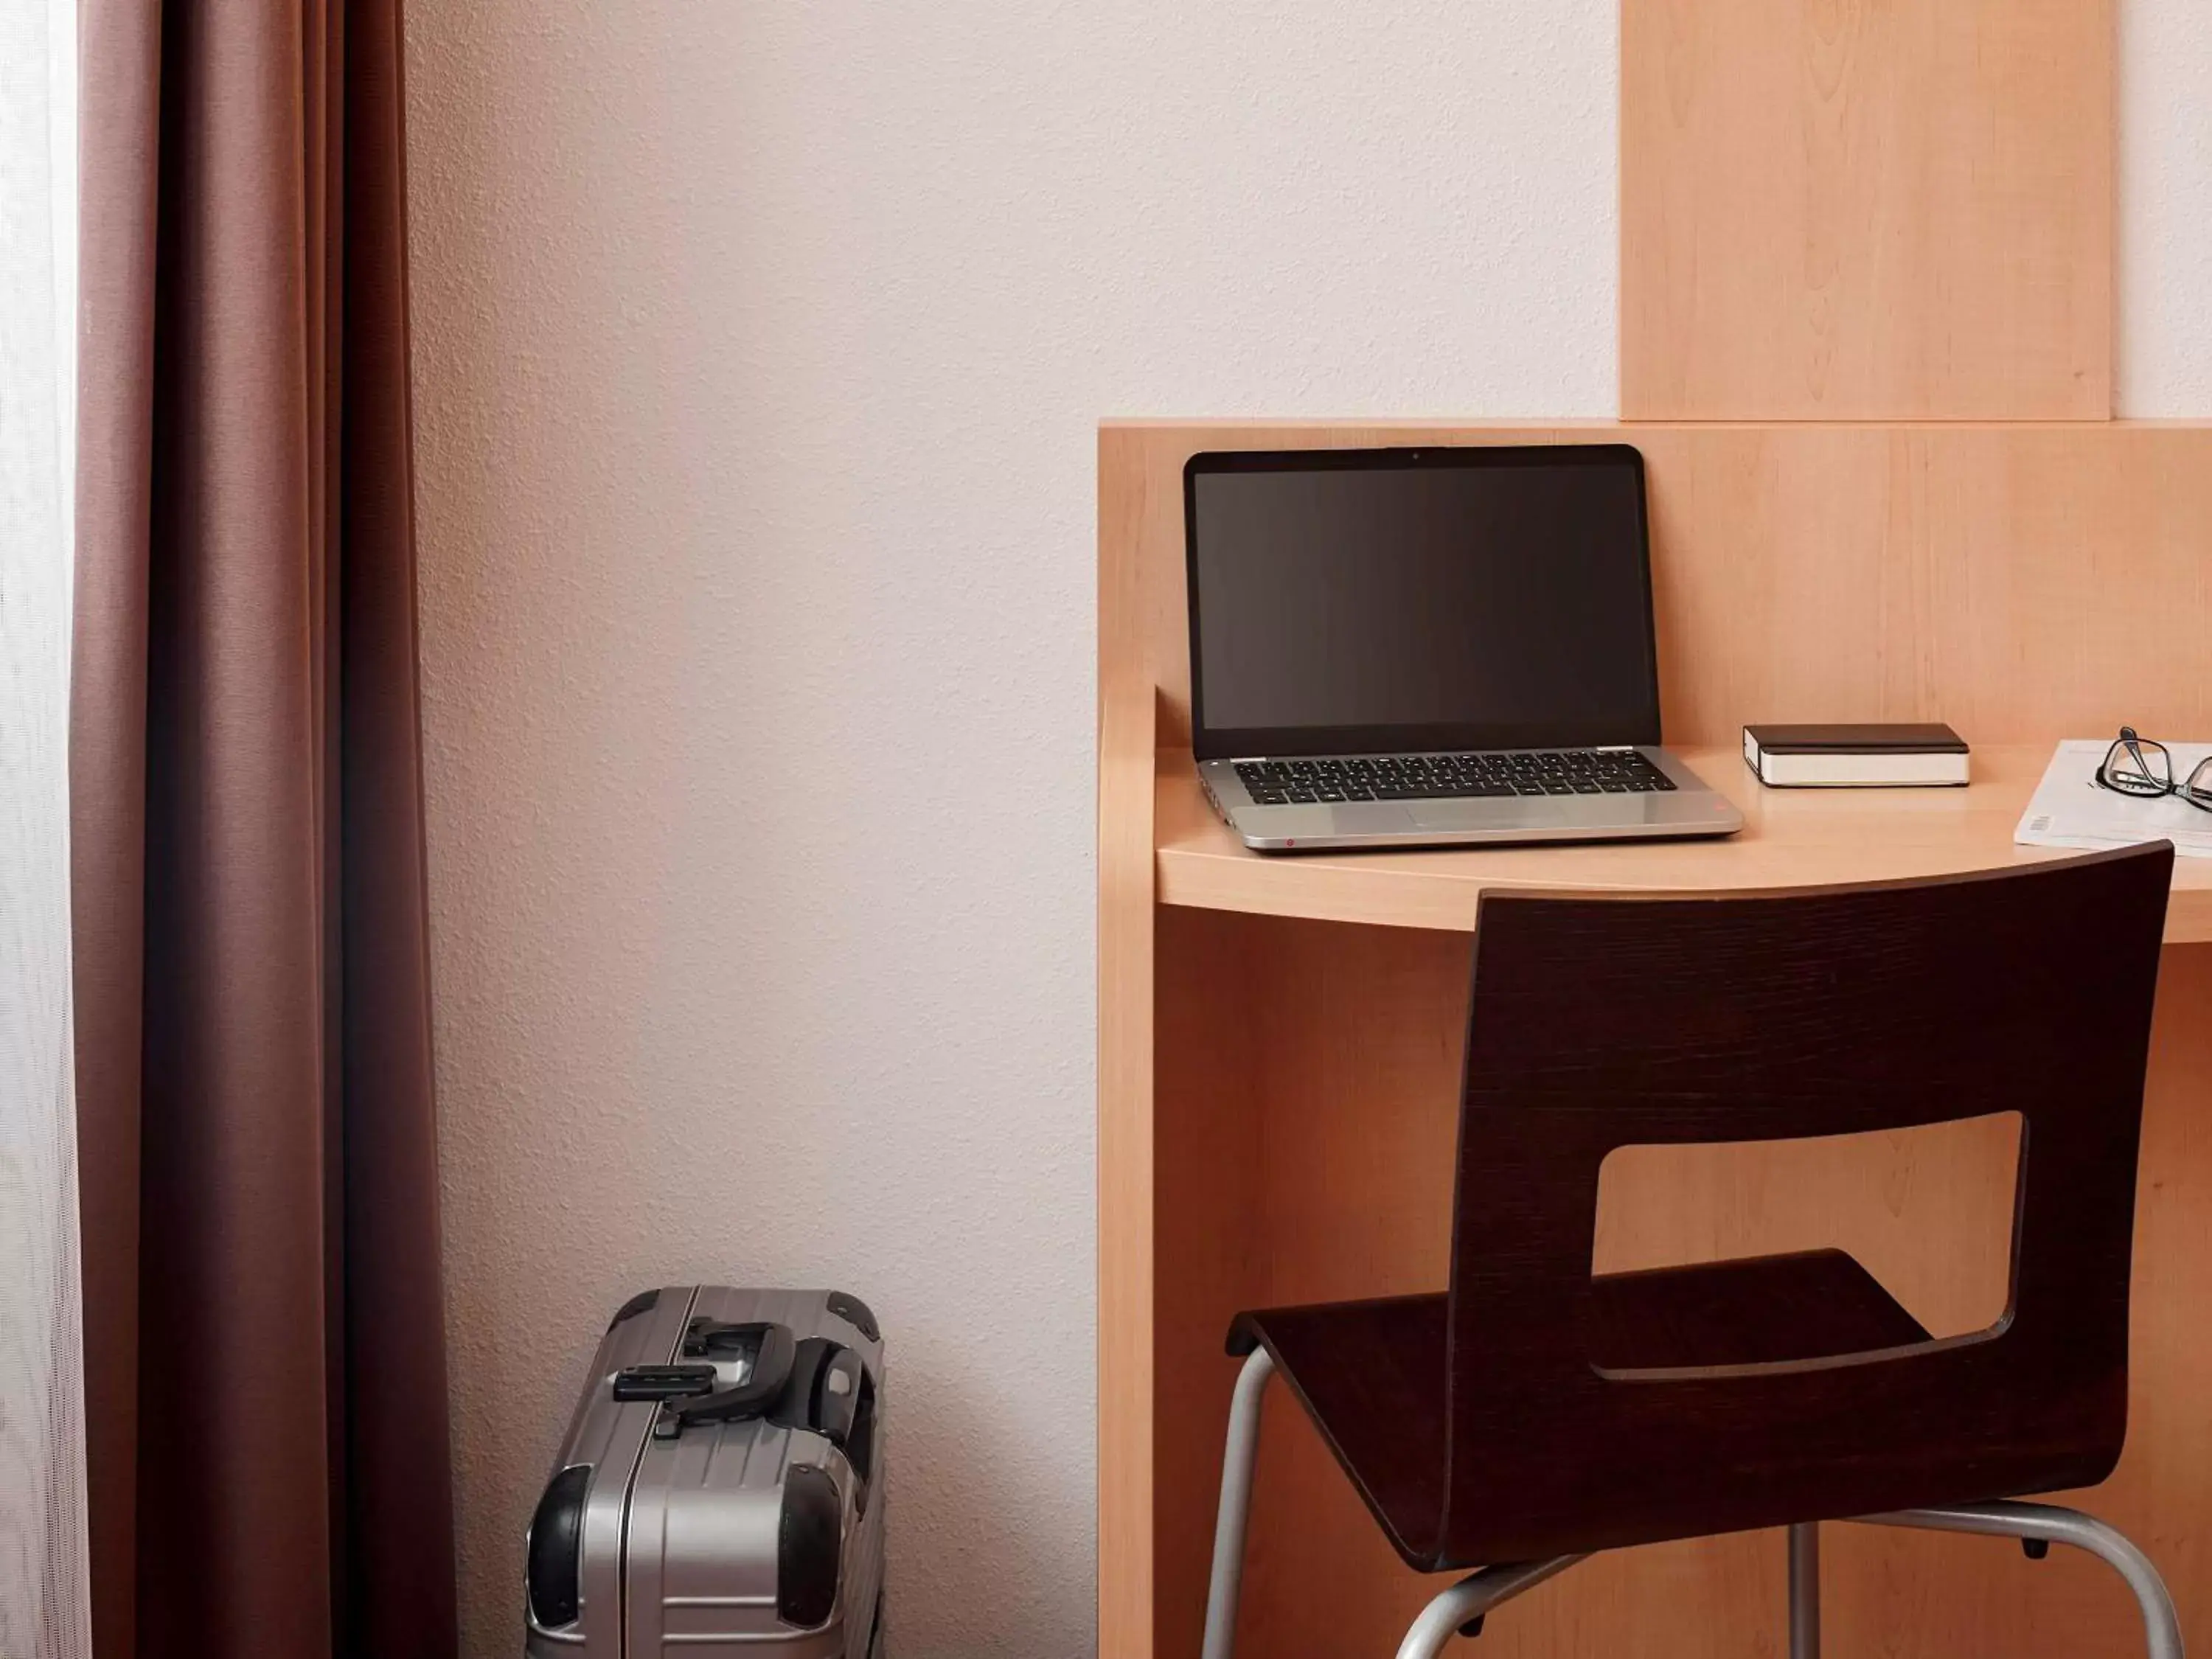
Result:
677,1556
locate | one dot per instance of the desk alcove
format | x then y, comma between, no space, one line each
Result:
1279,1037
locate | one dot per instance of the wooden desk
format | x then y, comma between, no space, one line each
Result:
1790,838
1279,1037
1308,1014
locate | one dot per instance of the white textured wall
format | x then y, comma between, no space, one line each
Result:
759,351
2163,361
43,1609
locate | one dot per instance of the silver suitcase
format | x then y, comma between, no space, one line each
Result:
716,1496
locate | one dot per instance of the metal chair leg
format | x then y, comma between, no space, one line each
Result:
1471,1597
1805,1590
1441,1620
2050,1524
1237,1459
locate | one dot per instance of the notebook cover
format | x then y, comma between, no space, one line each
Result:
1875,739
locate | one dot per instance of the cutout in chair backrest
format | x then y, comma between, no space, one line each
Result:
1929,1211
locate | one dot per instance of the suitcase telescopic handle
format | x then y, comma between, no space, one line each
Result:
773,1351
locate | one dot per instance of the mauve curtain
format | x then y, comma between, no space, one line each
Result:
265,1358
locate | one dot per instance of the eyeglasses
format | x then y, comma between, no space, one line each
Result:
2136,766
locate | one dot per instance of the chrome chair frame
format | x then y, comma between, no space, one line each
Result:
1453,1609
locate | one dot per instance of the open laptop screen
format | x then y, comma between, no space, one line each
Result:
1363,601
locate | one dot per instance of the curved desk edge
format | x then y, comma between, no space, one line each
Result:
1790,838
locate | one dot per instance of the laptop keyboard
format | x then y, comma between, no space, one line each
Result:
1445,777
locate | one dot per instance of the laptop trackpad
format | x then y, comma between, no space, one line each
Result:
1511,813
1369,818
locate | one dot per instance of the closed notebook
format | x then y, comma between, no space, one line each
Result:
1854,756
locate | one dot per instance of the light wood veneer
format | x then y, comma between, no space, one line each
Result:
2024,582
1790,838
1860,209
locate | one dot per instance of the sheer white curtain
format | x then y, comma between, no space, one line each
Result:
43,1612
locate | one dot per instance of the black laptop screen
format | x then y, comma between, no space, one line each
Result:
1360,601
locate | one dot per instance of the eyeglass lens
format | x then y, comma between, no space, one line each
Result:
2139,766
2198,787
2135,765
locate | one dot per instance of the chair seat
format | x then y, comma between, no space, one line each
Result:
1372,1375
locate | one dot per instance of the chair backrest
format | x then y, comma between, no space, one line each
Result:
1598,1022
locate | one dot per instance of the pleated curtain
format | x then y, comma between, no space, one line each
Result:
265,1358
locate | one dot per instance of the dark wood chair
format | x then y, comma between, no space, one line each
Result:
1535,1413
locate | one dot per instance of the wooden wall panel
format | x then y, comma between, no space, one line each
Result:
1126,720
1308,1116
1212,1237
1998,577
2025,582
1363,1030
1865,208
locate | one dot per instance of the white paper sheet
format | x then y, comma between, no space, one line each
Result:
2071,809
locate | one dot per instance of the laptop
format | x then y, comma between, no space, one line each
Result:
1415,647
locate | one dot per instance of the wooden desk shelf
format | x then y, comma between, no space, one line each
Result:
1790,838
1279,1037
